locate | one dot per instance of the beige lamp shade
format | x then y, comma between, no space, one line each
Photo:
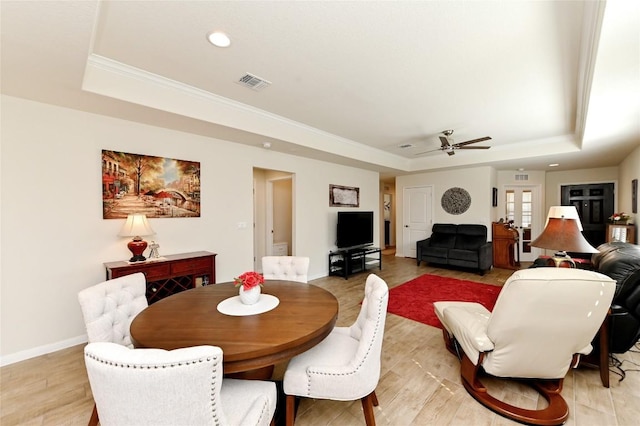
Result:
136,225
568,212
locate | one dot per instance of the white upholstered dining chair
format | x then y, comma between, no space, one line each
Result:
290,268
345,366
543,320
179,387
109,308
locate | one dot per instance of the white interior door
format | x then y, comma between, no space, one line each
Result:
417,217
522,204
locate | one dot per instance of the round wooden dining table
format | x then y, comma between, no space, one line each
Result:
251,344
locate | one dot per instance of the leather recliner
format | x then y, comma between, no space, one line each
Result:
621,262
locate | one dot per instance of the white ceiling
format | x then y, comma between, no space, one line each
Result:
549,81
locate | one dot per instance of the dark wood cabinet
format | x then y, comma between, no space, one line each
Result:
504,240
170,274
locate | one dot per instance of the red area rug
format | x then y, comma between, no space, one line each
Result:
414,299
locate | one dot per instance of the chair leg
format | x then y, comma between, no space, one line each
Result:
93,421
367,407
290,410
375,398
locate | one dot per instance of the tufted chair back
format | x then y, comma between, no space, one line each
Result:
179,387
290,268
368,329
108,308
345,366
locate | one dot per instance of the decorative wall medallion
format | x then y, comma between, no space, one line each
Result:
455,201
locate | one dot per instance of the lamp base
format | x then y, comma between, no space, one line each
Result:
561,261
137,246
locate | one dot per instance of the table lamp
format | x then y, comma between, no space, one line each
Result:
136,226
562,233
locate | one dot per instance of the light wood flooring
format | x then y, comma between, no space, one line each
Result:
419,384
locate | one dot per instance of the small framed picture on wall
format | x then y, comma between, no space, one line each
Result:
344,196
634,196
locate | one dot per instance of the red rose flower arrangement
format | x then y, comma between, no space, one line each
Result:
619,217
248,280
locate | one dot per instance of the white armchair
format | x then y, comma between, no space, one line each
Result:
290,268
345,366
543,320
109,308
178,387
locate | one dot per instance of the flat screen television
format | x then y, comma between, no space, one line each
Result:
355,229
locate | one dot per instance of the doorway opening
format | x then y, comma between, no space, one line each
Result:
522,206
274,219
388,216
595,203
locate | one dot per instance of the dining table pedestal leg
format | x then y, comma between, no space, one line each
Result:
264,373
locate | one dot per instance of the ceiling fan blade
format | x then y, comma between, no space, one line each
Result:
472,147
444,141
486,138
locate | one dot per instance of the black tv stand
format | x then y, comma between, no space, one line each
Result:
344,262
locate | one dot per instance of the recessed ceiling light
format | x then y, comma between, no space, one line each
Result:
219,39
554,165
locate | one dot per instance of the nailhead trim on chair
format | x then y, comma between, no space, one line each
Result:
216,364
364,358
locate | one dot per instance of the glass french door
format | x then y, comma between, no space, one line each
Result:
521,207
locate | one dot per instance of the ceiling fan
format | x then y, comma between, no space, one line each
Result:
447,145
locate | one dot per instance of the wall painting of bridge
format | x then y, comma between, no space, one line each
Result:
155,186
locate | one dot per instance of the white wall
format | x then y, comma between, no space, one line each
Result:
476,181
555,181
54,240
629,170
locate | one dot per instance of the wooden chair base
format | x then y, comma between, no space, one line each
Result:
556,412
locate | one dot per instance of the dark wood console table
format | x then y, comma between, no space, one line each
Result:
170,274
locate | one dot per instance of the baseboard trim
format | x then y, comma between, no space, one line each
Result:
41,350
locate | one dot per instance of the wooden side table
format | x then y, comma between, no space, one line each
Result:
170,274
623,233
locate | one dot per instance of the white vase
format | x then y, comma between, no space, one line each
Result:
251,296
